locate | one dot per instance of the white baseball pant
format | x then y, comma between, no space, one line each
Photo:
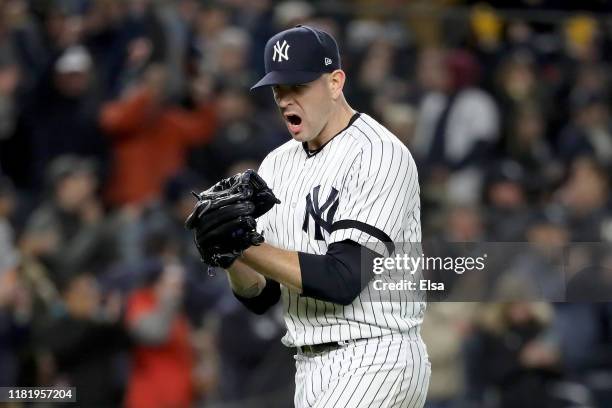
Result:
376,373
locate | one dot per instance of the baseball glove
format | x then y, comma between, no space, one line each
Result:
223,219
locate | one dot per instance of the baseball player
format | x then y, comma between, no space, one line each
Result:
343,180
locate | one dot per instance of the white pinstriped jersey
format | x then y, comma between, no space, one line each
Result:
363,186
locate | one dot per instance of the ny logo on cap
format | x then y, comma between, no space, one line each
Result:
280,51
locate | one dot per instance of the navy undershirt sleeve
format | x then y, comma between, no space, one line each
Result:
265,300
340,275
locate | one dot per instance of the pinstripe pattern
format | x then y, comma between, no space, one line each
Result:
378,195
376,373
378,185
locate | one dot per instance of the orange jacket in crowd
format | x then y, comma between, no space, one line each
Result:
161,375
150,143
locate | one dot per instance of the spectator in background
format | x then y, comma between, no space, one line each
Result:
375,73
38,33
400,119
67,231
179,56
583,333
518,91
212,20
458,122
157,232
593,78
505,197
520,36
465,224
230,57
582,38
258,369
444,330
61,118
14,332
240,135
26,295
162,357
508,358
590,131
158,228
11,332
487,36
291,13
460,233
536,270
150,137
166,219
139,39
527,144
457,125
586,196
16,315
122,37
165,224
85,341
588,273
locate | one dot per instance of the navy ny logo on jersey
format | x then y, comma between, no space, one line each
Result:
316,212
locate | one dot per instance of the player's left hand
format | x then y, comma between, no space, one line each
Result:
224,218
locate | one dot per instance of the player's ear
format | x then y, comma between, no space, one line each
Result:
336,83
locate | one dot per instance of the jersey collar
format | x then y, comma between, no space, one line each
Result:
311,153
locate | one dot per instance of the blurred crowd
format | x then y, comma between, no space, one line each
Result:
112,112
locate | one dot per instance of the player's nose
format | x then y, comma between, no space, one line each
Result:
283,102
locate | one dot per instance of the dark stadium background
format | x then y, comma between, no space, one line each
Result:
112,111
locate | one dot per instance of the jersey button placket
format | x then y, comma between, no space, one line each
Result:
301,177
306,167
306,170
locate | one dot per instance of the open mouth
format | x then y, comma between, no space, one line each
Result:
294,122
294,119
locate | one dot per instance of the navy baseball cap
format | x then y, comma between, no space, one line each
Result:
299,55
